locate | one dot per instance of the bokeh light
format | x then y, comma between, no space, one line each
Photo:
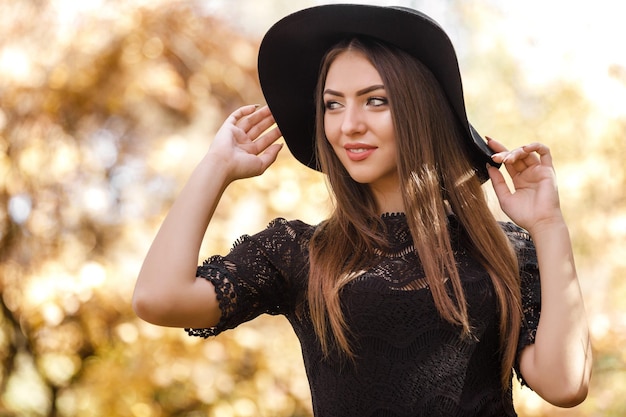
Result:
106,107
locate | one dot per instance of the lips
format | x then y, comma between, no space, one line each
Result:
358,151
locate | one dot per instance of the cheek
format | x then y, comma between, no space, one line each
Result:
330,129
388,130
387,122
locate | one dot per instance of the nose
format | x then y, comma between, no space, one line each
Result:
353,122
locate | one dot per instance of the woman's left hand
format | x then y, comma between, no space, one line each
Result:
535,199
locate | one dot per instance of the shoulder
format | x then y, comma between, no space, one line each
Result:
519,238
281,234
514,232
294,229
522,243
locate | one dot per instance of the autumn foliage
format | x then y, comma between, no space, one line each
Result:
101,121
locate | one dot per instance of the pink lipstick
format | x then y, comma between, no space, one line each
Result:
358,151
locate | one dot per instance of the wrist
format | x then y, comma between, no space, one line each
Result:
550,224
214,168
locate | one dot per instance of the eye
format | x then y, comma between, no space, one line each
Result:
377,101
332,105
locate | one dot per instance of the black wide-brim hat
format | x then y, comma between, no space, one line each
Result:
292,50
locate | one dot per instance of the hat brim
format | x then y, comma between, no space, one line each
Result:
292,50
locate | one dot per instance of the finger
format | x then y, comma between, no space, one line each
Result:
251,122
239,135
246,123
507,159
495,146
517,160
503,155
542,150
241,112
498,182
267,139
261,126
520,159
269,156
509,156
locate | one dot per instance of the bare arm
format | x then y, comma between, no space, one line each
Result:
167,292
558,365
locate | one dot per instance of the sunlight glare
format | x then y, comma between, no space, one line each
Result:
20,207
92,275
15,64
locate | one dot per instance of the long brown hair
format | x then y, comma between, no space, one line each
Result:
435,176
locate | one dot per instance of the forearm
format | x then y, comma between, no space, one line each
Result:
167,291
559,363
168,276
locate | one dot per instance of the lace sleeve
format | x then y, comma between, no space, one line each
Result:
530,287
256,277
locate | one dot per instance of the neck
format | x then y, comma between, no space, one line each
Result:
388,201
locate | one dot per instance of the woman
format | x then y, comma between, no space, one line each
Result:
410,299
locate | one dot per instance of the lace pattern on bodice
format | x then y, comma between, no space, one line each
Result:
409,361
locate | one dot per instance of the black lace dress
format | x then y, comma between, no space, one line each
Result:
409,361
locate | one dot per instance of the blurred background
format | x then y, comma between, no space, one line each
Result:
106,107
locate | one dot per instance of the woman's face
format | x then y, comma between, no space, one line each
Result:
358,122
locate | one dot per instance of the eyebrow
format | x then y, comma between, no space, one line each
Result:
361,92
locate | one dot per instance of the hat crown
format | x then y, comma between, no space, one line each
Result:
293,48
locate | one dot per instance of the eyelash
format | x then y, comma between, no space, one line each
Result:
330,104
372,101
382,101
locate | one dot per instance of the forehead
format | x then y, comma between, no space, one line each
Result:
352,68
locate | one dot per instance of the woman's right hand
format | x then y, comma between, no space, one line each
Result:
242,146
